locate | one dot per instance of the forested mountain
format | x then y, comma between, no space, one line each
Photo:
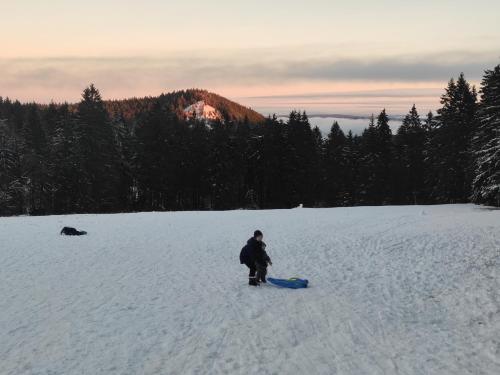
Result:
146,154
178,101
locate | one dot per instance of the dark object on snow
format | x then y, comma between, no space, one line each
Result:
262,262
256,259
261,273
248,251
253,252
252,278
264,258
68,231
293,283
257,233
248,256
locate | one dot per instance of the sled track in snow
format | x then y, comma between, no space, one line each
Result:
393,290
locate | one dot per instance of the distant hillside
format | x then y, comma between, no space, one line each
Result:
178,101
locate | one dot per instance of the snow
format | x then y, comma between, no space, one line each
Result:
201,110
393,290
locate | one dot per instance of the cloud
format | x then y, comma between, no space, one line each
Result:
128,76
385,93
431,67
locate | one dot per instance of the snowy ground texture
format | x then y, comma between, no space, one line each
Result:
393,290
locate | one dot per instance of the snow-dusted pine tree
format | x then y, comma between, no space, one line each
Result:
410,140
334,161
486,184
450,151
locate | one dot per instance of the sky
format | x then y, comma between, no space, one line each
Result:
348,57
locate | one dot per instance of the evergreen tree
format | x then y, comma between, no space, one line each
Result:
226,172
98,160
429,123
410,140
12,183
275,169
486,183
63,161
302,154
151,162
430,126
376,178
124,146
317,171
385,177
34,163
335,168
197,167
351,170
450,146
368,163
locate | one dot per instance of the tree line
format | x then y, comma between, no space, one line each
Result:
57,159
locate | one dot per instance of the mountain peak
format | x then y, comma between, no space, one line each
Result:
202,110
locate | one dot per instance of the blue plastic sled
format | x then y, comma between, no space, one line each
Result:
293,283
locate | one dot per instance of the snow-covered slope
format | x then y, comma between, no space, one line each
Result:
393,290
201,110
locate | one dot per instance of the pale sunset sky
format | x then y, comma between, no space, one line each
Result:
350,57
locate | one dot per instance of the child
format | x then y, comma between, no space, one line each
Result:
262,261
249,255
